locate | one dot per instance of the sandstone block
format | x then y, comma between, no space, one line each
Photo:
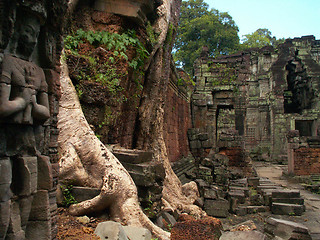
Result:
40,210
287,209
110,230
4,217
84,193
137,233
243,235
45,176
217,208
40,230
5,171
286,194
299,201
286,229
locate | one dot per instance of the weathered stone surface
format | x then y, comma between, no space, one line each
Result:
84,193
137,233
45,176
286,229
110,230
206,228
243,235
38,230
286,194
217,208
287,209
40,210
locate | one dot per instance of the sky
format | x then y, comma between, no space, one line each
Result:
284,18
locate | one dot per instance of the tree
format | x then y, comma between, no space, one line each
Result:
198,27
85,161
260,38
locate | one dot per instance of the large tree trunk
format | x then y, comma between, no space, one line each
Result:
150,135
87,162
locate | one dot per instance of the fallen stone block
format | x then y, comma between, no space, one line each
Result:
287,209
286,194
256,209
241,211
245,190
286,229
217,208
110,230
253,181
137,233
243,235
299,201
239,195
210,193
84,193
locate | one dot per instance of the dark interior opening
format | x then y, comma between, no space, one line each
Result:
304,127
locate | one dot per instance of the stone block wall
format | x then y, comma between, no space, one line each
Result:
29,165
306,161
177,121
261,93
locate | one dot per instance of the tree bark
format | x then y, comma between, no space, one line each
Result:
85,161
150,135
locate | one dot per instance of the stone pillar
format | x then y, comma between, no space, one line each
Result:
293,143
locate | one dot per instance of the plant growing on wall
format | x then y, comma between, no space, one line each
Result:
104,57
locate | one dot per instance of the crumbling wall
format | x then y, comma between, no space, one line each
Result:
177,120
267,93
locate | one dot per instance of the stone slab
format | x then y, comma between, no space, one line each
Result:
286,229
110,230
137,233
217,208
243,235
84,193
299,201
286,194
287,209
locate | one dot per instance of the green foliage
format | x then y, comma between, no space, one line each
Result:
68,199
198,27
153,37
114,46
225,74
260,38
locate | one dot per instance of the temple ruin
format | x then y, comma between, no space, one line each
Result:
261,102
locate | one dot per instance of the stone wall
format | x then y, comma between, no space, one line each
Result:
177,121
260,93
306,161
28,147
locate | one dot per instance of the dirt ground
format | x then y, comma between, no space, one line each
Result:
71,228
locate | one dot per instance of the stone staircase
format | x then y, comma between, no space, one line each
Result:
251,195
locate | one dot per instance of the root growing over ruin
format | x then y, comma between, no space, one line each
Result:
85,161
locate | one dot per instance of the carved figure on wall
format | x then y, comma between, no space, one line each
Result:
24,106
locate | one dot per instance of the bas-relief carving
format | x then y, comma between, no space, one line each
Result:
24,106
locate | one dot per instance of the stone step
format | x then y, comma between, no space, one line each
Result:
299,201
287,209
286,194
286,229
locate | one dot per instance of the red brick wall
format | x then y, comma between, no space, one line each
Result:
306,161
177,120
235,155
